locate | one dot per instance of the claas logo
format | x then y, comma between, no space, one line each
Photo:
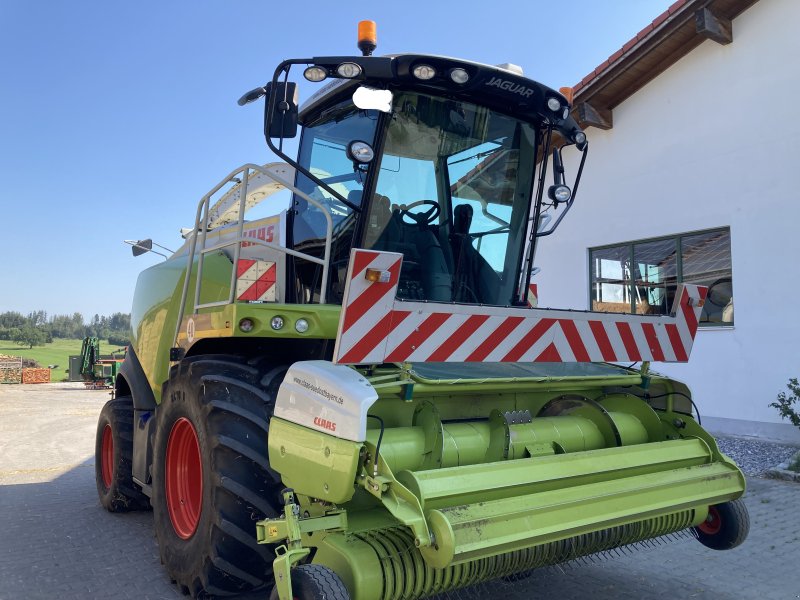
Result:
325,424
266,234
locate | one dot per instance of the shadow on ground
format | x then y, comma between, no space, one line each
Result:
57,542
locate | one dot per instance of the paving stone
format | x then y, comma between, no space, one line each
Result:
57,542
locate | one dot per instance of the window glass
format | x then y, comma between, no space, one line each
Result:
649,286
611,279
656,276
707,261
324,153
453,197
484,178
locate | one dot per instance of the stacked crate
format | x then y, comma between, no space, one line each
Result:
10,369
35,375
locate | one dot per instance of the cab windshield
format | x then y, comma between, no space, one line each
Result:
453,195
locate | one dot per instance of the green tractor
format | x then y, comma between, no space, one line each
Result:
98,372
356,398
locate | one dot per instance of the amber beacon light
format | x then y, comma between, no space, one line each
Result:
367,37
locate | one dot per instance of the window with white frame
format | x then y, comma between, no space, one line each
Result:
641,276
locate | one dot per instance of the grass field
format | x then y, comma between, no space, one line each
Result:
56,353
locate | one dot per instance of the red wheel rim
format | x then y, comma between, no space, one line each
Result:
184,478
713,522
107,456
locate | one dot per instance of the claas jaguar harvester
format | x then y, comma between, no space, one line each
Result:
355,398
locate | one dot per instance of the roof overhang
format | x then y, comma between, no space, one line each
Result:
673,34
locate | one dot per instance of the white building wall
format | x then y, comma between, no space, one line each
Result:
713,141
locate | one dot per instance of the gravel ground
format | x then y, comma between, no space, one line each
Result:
755,456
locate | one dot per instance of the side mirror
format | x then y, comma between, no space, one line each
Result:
145,246
282,123
142,247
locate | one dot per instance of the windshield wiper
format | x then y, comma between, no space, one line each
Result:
479,155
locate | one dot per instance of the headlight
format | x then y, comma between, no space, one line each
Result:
559,193
459,76
553,104
424,72
315,74
246,325
348,70
276,323
301,325
360,152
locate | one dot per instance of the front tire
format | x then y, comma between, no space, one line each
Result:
315,582
726,526
114,458
211,474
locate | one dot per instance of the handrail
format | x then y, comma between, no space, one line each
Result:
202,216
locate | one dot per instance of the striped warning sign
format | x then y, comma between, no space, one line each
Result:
375,327
255,280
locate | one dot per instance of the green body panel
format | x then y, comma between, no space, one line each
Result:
322,465
153,318
156,307
355,563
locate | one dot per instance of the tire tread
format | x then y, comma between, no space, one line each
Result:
223,395
734,529
123,495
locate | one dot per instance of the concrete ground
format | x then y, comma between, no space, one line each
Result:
56,541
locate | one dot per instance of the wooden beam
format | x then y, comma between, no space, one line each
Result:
591,116
713,27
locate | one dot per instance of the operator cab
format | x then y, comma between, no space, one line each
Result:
439,159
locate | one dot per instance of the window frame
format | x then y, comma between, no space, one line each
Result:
679,275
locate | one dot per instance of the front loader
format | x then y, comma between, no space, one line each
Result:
356,398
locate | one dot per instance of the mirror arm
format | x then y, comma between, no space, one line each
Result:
284,67
527,265
558,167
282,109
568,205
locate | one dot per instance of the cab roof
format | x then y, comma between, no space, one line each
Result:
492,86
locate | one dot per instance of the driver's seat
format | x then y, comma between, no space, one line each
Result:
425,275
461,243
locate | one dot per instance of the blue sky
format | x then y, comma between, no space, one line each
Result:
116,117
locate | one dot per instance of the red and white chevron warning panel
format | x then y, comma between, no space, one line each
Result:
374,327
255,280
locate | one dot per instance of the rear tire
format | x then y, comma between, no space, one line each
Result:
114,458
726,527
315,582
211,474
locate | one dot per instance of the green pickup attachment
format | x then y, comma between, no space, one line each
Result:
539,500
493,519
434,505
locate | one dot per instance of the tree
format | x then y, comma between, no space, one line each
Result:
30,336
11,319
120,322
37,318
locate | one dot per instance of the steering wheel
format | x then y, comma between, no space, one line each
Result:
422,218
